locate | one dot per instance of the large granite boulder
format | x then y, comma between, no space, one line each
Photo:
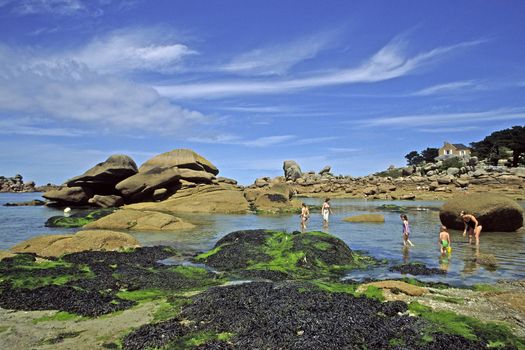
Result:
143,183
126,219
202,198
292,170
180,158
494,212
109,201
57,245
275,202
103,177
69,195
196,176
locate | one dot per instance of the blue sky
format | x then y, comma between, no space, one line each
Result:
249,84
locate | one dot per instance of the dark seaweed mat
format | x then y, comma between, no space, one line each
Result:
264,315
417,269
94,296
64,298
239,249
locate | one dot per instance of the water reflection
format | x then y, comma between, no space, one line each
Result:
406,254
444,261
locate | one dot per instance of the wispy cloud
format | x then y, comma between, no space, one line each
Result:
450,129
133,49
438,119
390,62
278,59
265,141
91,8
453,87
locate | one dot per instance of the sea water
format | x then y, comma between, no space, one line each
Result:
381,240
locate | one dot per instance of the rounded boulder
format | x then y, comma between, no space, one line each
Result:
495,212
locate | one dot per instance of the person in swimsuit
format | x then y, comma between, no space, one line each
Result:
444,240
305,215
326,211
472,226
406,230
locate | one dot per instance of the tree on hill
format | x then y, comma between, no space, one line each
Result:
429,154
414,158
513,139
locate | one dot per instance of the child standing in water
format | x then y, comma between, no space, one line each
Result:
326,211
305,215
406,231
444,240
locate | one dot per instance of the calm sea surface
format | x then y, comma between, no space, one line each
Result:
379,240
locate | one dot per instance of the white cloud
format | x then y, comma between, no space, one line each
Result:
446,88
67,91
459,119
135,49
388,63
30,7
278,59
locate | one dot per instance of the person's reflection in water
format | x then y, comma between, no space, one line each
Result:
406,254
444,260
471,254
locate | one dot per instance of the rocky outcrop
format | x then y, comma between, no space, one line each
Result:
16,184
377,218
292,170
180,158
33,203
69,195
144,183
126,219
103,177
57,245
397,286
109,201
221,198
117,180
493,211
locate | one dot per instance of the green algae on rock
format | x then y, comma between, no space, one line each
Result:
78,219
279,255
95,283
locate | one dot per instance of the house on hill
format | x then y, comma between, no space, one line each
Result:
456,149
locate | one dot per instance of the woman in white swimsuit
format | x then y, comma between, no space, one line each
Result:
326,211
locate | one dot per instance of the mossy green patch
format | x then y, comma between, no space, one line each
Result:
467,327
142,295
23,271
207,254
335,287
485,288
451,300
373,293
4,328
58,316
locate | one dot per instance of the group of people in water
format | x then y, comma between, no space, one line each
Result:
325,213
472,226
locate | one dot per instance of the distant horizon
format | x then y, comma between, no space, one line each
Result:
354,85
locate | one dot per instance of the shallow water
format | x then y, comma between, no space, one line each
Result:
379,240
